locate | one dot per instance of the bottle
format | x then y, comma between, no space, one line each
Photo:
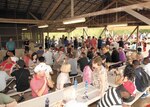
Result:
75,84
47,102
86,86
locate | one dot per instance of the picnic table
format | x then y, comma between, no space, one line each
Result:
57,96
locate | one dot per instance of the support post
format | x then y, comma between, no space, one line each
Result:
102,31
131,34
137,39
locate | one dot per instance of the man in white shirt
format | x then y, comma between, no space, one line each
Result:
3,78
146,65
48,55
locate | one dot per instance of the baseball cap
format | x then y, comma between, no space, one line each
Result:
42,67
129,86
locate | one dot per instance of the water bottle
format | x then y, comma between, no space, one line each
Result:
75,83
86,86
47,102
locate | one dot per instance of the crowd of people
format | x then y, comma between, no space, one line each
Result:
92,57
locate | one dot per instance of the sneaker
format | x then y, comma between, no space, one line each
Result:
21,99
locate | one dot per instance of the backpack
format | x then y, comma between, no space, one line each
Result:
142,79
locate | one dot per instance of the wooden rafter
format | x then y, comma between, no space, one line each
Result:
30,4
48,8
38,8
53,10
33,16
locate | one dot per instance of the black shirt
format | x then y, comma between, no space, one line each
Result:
22,79
121,44
108,57
115,56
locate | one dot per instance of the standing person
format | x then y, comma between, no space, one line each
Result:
48,55
76,43
31,46
10,46
26,45
114,96
100,42
46,42
88,44
66,42
99,75
94,42
107,41
144,45
22,78
121,43
53,41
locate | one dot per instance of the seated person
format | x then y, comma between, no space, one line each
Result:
6,101
3,78
34,60
99,75
87,74
7,65
115,55
114,96
73,62
83,61
105,51
128,74
22,78
63,77
26,58
69,98
13,57
122,55
39,83
40,52
146,67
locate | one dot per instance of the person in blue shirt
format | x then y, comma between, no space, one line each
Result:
10,46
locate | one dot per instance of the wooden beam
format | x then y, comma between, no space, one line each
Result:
28,8
48,8
33,16
113,10
138,16
22,21
72,8
53,10
137,39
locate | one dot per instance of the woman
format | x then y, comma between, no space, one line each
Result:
99,75
26,58
63,77
128,74
34,60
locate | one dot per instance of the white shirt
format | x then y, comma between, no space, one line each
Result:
74,103
14,58
3,78
48,57
62,79
147,68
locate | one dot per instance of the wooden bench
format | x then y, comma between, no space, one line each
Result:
14,93
80,74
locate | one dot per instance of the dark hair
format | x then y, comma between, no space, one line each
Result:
41,59
146,60
34,53
135,62
121,88
83,54
40,47
129,72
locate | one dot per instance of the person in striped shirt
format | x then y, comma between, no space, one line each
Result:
114,96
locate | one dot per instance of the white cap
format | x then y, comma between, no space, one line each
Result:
42,67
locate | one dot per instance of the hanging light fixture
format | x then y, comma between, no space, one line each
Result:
43,26
73,21
24,29
118,25
61,28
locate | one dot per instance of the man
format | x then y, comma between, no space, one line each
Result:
121,43
48,55
10,46
3,78
22,78
100,42
40,82
114,96
99,75
83,61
